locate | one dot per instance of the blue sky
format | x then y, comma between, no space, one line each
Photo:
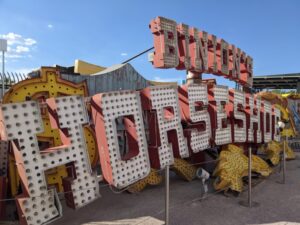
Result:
108,32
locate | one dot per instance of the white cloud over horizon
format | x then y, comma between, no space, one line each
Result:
50,26
25,70
21,49
18,46
124,54
173,79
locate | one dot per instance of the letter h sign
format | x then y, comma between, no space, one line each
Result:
67,114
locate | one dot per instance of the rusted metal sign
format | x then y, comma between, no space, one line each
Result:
161,124
187,48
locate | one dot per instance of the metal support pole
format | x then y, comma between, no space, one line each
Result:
3,76
167,180
284,159
193,78
249,203
250,177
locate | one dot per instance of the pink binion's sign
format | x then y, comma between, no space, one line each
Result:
161,123
187,48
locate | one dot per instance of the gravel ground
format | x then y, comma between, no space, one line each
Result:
278,204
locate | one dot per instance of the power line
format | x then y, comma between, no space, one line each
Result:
128,60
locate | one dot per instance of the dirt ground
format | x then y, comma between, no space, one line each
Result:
278,204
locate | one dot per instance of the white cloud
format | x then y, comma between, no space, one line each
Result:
25,70
124,54
20,49
18,46
12,38
13,56
50,26
29,41
174,79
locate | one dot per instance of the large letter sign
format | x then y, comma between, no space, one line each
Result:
164,100
253,119
236,111
23,122
137,131
172,130
194,104
267,121
218,99
183,46
207,53
165,32
106,108
276,119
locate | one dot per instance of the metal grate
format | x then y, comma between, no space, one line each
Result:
295,144
11,78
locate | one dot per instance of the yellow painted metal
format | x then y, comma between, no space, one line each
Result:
290,154
284,112
289,132
180,167
49,84
184,169
274,98
13,176
290,128
285,95
260,166
86,68
281,102
273,151
233,166
292,96
154,178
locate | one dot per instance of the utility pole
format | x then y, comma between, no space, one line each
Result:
3,48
